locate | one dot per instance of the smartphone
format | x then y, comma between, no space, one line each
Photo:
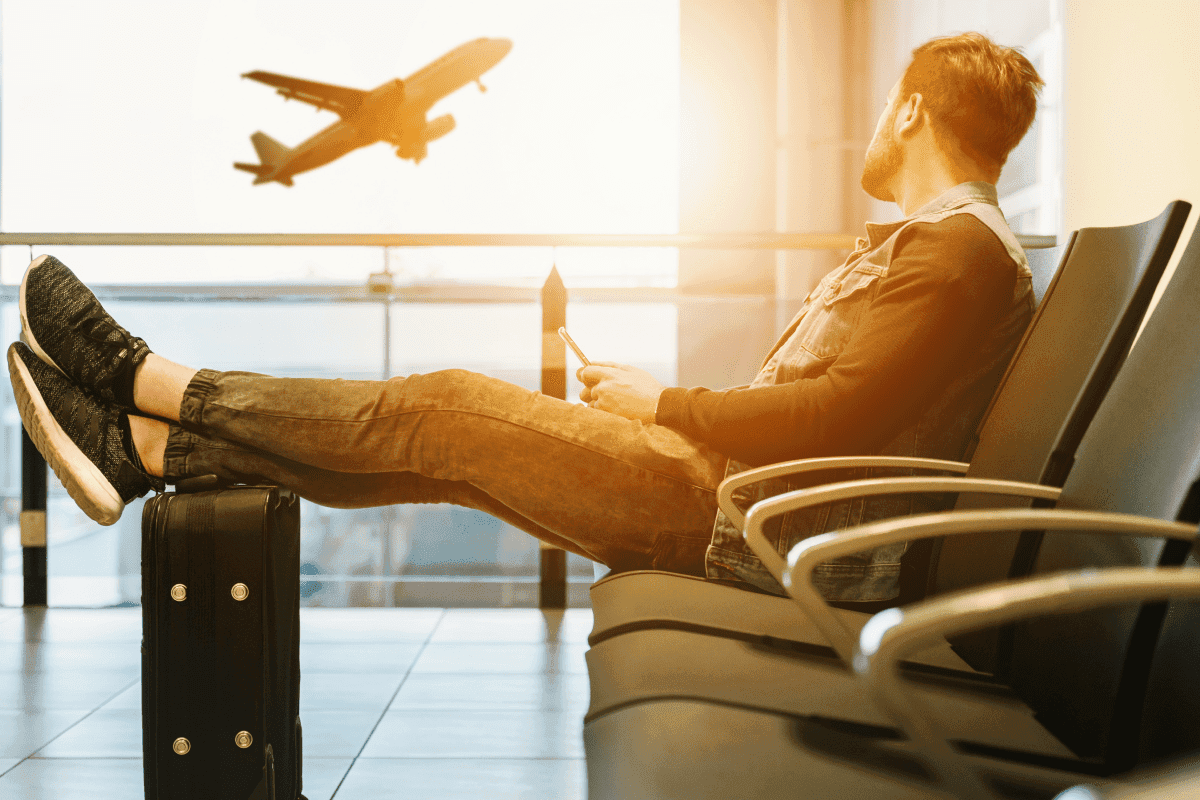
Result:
566,337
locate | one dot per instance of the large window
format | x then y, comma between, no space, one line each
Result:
128,116
122,116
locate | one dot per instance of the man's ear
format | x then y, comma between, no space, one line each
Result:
910,116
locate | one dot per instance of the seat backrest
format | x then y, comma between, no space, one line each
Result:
1061,371
1084,674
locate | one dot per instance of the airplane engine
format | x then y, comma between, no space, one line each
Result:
434,129
437,128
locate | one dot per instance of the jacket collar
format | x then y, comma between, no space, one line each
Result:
955,196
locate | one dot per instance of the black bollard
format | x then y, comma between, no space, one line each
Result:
33,522
552,589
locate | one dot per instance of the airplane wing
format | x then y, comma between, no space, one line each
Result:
339,99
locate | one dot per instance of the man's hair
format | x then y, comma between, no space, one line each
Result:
982,93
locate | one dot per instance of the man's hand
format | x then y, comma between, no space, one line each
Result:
620,389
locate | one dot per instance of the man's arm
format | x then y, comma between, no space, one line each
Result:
945,288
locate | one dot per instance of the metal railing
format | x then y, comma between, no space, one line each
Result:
380,288
713,241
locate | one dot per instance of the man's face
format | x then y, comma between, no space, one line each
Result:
884,156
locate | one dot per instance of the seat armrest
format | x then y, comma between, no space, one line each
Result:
784,468
1169,781
805,556
764,510
892,635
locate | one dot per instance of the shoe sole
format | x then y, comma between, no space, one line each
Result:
84,482
27,332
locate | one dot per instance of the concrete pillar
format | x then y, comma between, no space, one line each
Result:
727,184
763,147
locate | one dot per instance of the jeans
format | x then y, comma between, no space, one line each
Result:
629,495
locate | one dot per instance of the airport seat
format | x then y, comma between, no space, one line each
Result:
1132,633
1079,681
1135,665
1095,301
682,747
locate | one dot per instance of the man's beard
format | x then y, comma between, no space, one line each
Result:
881,164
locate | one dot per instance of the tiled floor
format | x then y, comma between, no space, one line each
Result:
396,703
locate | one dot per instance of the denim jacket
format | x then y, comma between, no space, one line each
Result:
942,429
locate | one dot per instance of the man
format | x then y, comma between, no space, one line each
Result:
897,351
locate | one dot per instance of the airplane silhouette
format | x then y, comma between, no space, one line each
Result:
393,113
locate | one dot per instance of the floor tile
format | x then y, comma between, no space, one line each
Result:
52,778
347,691
368,624
322,776
59,689
387,657
108,733
547,692
477,734
502,658
46,657
334,734
76,625
453,779
78,779
128,700
24,732
507,686
528,625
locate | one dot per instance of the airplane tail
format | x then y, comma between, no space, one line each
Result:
272,154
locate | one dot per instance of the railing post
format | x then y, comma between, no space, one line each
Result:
552,589
33,522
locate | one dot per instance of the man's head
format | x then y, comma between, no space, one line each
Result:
974,97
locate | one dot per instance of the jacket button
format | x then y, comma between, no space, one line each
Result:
240,591
243,739
181,746
179,593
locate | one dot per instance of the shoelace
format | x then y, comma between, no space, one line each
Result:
101,330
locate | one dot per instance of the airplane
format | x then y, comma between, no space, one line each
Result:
393,113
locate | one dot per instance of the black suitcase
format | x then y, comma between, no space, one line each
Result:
221,644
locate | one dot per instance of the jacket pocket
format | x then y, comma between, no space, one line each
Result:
833,317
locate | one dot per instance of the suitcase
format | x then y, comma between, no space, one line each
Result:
221,643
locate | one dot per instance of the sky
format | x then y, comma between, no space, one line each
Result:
127,116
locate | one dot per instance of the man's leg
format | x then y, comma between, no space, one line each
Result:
191,454
624,493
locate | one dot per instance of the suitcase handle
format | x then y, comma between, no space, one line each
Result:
200,483
209,483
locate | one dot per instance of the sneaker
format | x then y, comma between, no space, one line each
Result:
65,326
80,437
